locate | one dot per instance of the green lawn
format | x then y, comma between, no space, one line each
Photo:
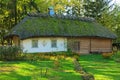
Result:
102,69
31,70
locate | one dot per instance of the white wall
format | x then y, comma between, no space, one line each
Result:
44,45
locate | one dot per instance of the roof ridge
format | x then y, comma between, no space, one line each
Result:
61,16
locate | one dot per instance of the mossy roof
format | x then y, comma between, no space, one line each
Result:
39,26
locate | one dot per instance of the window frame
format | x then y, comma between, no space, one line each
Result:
34,43
53,43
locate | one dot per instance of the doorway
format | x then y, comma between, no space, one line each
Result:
77,46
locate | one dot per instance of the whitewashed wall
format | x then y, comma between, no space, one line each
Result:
44,45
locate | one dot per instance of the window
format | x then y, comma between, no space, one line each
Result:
34,43
54,43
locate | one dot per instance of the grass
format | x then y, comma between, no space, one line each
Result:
31,70
102,69
61,69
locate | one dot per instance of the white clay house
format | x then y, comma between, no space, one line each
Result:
43,33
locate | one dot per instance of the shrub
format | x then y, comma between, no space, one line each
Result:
107,55
69,52
116,56
10,52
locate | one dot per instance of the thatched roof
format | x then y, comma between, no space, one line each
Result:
39,25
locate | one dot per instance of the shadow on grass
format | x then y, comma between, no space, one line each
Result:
105,69
31,70
13,76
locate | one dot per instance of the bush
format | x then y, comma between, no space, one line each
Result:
116,56
69,52
10,52
107,55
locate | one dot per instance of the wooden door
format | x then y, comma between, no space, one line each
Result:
76,46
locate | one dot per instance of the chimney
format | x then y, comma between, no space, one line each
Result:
51,11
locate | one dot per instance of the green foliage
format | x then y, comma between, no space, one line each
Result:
96,8
116,56
10,53
110,19
105,12
69,52
11,12
107,55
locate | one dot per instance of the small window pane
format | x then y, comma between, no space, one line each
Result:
53,43
34,43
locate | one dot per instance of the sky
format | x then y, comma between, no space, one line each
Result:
117,2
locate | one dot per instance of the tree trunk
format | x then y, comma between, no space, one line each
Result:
15,9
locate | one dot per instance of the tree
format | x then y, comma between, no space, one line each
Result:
77,7
111,20
12,11
95,8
